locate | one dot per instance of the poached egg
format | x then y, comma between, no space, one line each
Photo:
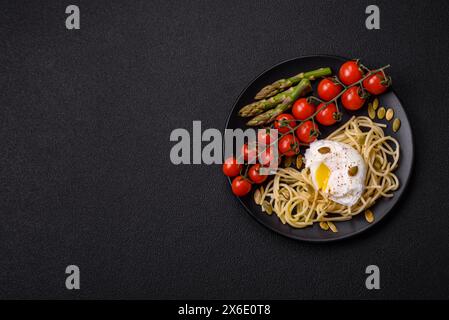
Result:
337,169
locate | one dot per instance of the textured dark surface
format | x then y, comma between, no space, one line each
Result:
86,177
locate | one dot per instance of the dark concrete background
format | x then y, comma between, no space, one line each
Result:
86,177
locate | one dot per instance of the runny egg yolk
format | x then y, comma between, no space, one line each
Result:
322,176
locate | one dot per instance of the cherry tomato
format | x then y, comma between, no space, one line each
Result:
249,152
376,84
302,109
265,136
283,123
266,157
328,89
350,72
327,116
288,145
305,132
351,99
254,174
241,186
231,168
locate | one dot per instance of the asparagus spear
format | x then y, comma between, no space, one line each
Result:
258,107
283,84
301,89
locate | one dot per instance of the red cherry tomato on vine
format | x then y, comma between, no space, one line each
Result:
283,123
328,89
231,168
249,152
350,72
302,109
351,99
265,136
327,116
255,176
288,145
306,130
241,186
267,155
376,84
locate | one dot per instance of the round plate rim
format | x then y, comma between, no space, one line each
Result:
346,236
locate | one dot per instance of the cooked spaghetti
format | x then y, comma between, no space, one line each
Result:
291,193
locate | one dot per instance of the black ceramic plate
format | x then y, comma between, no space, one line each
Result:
383,206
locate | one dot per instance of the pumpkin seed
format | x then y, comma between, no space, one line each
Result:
381,113
324,225
396,124
361,139
369,216
371,111
390,114
375,104
299,161
288,161
284,192
324,150
377,164
267,207
332,226
353,171
257,196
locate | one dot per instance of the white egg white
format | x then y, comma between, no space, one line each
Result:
341,187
